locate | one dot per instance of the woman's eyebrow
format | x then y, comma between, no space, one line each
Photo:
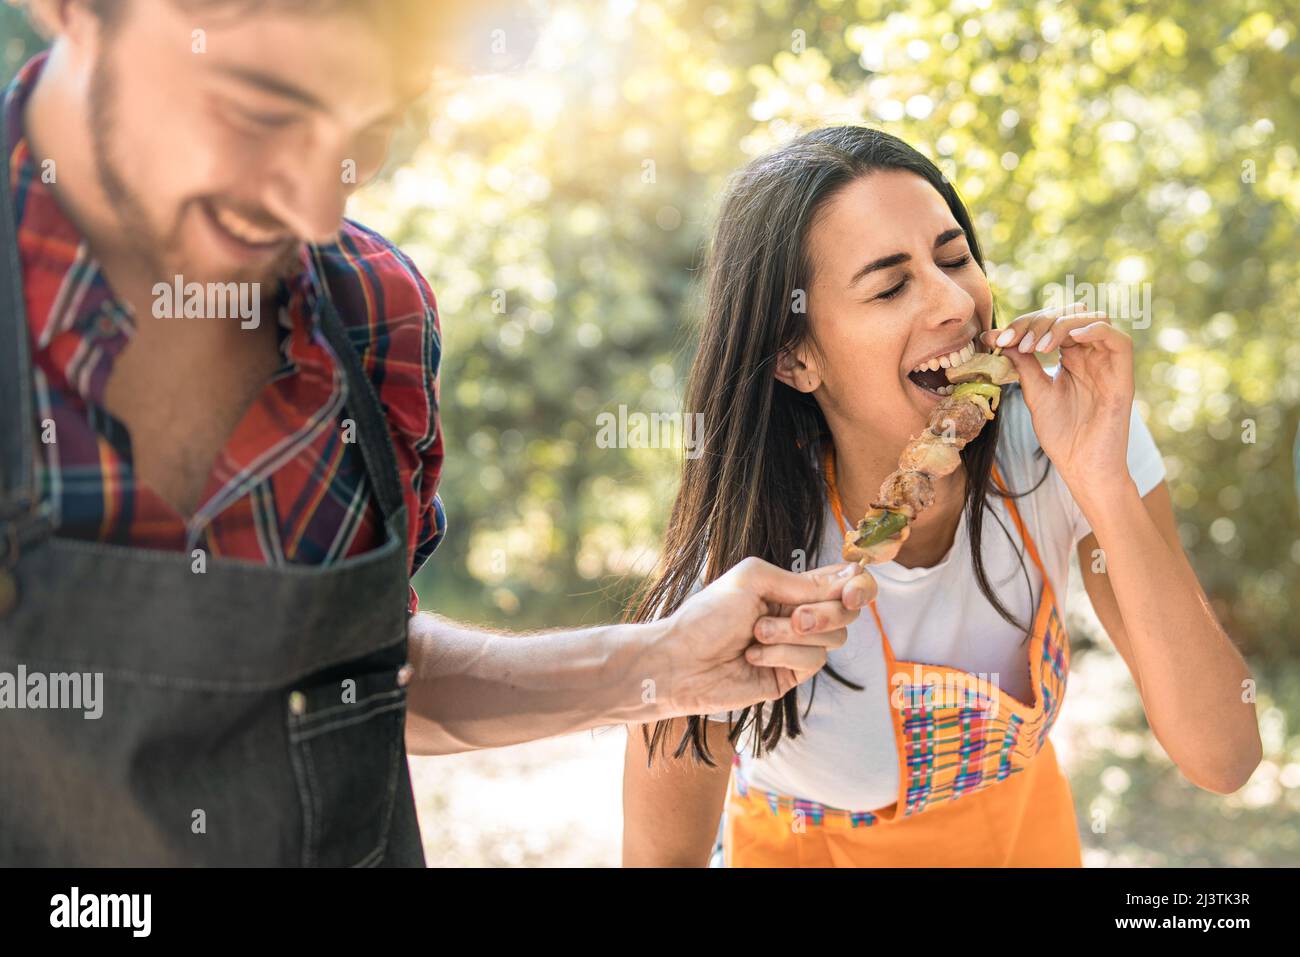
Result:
884,262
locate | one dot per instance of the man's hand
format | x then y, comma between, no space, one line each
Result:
713,661
474,688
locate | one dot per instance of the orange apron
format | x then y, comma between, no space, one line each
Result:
979,784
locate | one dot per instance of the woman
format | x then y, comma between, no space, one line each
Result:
841,263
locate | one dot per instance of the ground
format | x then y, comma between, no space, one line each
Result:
558,802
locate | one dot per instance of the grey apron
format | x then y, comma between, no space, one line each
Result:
251,715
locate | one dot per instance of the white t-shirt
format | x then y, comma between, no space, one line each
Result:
845,755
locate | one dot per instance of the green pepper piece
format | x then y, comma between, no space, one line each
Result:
987,389
878,528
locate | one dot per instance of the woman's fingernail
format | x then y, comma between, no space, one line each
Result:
1006,337
848,571
807,619
853,598
753,654
1044,344
1027,343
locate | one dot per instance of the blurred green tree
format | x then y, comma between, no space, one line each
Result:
559,201
560,209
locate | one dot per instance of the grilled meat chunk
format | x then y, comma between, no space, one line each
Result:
959,419
930,453
907,491
984,367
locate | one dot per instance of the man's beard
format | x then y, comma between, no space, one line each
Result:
143,243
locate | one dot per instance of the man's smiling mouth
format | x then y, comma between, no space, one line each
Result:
245,232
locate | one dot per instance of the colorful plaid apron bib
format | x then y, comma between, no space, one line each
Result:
979,785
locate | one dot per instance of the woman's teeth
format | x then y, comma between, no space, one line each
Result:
928,375
950,360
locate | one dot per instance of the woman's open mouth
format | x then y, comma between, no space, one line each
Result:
932,376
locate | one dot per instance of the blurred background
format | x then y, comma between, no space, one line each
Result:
556,189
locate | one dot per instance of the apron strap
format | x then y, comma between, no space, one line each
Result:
17,440
372,425
24,520
1020,523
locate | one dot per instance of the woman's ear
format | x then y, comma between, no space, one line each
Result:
798,370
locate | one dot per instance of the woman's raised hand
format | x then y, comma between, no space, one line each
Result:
1081,414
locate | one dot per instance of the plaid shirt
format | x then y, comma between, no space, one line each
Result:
286,488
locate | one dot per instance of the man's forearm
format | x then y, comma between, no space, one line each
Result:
475,688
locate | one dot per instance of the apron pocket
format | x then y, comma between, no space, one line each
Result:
346,744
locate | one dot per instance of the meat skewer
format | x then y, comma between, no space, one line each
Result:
955,421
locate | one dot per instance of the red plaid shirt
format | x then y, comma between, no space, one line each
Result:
286,488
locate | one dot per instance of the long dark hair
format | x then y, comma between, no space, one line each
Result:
757,489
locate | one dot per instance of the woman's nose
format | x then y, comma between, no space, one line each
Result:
946,300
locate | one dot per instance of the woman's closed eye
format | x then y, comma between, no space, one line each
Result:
893,292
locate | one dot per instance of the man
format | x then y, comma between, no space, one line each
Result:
220,459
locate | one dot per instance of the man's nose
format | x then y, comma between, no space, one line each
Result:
309,199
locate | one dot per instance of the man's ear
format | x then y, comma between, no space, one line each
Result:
45,16
51,19
798,369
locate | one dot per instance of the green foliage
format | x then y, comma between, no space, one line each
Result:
1095,143
17,41
559,209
